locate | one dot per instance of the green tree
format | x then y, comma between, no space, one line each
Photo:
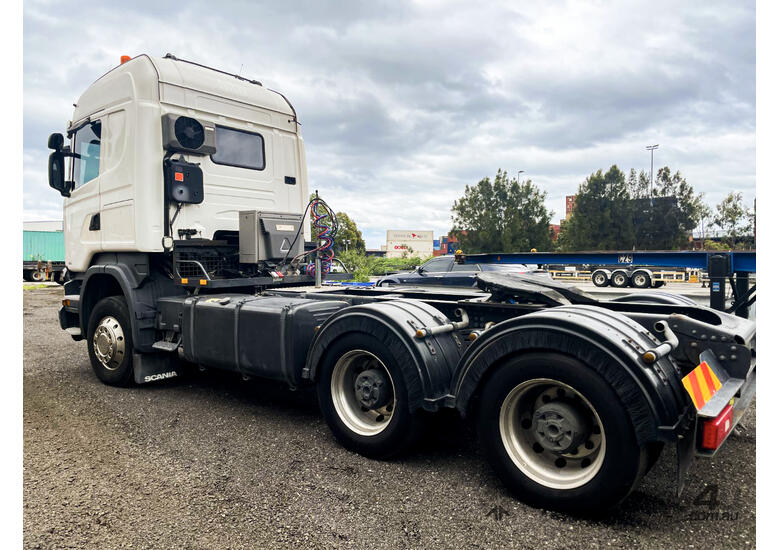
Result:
502,216
673,219
602,215
733,217
349,236
702,215
663,221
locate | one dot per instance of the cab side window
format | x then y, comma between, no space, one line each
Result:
239,148
86,161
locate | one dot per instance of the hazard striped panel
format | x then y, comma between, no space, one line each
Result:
701,384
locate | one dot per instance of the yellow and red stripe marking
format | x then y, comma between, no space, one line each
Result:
701,384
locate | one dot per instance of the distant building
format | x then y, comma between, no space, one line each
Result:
555,229
410,243
570,204
54,225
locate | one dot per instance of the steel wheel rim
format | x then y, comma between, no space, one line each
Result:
108,343
546,467
599,279
620,279
640,280
364,422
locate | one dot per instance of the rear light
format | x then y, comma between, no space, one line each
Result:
715,430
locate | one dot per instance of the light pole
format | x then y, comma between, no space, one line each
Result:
345,242
518,175
651,148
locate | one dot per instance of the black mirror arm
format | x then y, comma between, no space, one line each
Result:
69,186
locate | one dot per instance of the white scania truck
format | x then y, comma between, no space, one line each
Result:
186,235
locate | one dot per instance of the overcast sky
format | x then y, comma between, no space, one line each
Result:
404,103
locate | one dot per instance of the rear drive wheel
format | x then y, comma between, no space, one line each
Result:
364,399
600,278
110,341
557,435
37,276
619,279
640,279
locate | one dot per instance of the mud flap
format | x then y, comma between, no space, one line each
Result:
686,449
152,367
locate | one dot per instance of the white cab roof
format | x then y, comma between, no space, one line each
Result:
142,77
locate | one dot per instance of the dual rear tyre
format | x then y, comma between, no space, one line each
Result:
557,436
553,429
364,398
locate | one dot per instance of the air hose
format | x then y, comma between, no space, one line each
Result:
325,224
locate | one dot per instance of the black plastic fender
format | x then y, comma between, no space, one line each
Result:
607,341
141,287
427,363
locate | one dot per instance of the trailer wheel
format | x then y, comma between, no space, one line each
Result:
27,275
37,276
110,341
363,398
600,278
557,435
619,279
640,279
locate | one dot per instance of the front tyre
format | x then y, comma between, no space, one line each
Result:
557,435
110,341
364,398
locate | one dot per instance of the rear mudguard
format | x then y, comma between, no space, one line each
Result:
427,363
606,341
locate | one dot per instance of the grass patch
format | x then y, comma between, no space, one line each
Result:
34,287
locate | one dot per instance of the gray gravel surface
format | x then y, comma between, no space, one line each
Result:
209,461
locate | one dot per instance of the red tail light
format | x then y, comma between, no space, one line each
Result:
715,430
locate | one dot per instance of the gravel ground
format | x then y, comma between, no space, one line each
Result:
209,461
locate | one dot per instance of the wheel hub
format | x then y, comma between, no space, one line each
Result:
372,389
108,343
559,427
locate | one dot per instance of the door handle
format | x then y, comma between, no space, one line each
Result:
94,222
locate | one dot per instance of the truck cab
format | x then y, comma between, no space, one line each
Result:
243,138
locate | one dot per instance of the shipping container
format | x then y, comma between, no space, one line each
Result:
44,245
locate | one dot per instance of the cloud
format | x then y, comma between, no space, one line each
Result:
404,103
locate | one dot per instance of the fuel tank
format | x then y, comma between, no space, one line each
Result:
263,336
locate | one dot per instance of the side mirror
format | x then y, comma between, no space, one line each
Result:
56,141
57,173
419,269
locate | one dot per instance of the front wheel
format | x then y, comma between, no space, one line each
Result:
557,435
110,341
364,398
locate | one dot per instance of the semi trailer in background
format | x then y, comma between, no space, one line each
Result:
43,248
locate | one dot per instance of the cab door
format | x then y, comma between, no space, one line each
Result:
81,223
